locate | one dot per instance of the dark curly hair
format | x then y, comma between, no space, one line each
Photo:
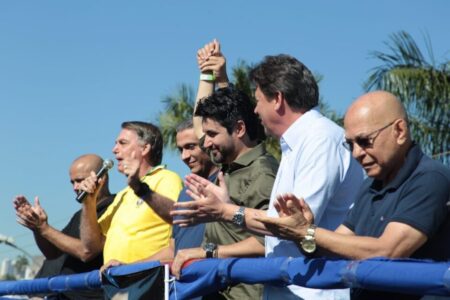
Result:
227,106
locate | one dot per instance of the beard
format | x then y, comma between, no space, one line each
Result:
219,156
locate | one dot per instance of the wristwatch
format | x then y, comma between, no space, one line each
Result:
209,249
308,244
239,217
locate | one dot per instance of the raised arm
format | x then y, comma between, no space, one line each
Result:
212,65
160,203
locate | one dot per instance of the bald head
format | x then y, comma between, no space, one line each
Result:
375,109
82,167
88,163
376,130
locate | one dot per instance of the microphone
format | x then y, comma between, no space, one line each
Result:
107,164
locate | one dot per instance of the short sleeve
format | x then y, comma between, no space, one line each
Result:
423,203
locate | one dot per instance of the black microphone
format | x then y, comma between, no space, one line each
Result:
107,164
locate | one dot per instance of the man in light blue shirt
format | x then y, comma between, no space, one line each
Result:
314,165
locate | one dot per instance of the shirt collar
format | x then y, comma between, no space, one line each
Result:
290,137
155,169
246,159
412,159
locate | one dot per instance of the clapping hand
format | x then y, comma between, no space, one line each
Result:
208,201
32,217
295,216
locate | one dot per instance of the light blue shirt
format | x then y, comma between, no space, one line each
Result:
317,167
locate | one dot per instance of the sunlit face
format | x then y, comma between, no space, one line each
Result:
218,142
78,172
265,110
126,143
192,155
379,158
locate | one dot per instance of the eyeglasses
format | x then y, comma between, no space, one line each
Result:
365,141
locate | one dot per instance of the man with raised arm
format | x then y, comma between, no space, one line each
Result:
63,250
137,224
232,136
314,165
199,163
401,210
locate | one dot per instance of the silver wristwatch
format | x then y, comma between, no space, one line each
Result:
210,248
239,217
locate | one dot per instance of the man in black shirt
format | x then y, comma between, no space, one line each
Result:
63,249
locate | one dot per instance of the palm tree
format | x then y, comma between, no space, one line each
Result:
423,87
179,107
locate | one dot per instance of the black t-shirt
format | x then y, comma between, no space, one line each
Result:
66,264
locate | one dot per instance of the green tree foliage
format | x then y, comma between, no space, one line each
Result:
179,107
422,85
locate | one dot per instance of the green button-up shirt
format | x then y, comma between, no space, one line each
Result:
249,180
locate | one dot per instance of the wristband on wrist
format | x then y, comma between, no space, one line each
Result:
207,77
143,190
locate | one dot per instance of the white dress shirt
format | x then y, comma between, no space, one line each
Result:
316,166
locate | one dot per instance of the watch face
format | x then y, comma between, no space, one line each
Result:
209,247
239,217
309,245
239,220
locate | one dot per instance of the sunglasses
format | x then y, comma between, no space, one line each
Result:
366,141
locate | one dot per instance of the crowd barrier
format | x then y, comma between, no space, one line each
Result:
209,275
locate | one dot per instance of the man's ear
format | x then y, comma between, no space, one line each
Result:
401,131
278,102
240,128
146,150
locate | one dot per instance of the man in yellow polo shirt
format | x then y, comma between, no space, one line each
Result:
137,224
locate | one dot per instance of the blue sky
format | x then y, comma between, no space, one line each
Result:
72,71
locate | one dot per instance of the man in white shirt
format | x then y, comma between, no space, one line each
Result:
314,164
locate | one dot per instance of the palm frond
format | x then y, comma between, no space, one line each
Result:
422,86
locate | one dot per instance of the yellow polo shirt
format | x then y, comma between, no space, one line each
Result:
132,229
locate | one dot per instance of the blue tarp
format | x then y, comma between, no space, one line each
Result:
209,275
414,276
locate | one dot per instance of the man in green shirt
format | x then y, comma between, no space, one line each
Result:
232,137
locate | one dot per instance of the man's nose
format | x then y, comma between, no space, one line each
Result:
207,143
358,152
185,154
76,186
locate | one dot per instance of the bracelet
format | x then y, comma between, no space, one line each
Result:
143,190
207,77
